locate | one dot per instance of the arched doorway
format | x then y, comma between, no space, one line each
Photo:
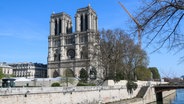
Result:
56,74
93,73
68,73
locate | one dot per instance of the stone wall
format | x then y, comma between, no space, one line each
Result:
150,96
75,95
45,82
139,83
62,95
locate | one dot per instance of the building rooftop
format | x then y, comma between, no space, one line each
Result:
86,9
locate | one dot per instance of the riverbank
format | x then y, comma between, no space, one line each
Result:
148,98
74,95
168,99
64,95
78,95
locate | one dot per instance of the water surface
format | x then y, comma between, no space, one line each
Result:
176,98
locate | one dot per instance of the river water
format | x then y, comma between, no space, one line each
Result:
177,98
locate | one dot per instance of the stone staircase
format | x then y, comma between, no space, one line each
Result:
142,92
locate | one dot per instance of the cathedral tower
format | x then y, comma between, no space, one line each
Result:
86,19
73,50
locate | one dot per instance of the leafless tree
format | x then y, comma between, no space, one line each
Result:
133,58
161,21
106,51
119,56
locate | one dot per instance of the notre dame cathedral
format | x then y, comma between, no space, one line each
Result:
74,50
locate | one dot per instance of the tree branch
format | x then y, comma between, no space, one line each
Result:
162,26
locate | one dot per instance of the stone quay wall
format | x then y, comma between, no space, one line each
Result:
65,95
150,95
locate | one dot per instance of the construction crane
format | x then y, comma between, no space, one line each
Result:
139,27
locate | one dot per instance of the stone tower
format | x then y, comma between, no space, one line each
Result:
74,50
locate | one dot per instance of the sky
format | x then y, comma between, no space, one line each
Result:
24,29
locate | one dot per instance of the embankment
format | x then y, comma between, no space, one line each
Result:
75,95
61,95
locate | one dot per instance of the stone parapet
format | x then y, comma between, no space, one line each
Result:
64,95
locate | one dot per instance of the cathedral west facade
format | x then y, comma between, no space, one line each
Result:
74,50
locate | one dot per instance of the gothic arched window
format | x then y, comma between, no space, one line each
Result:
81,25
81,55
57,55
85,52
86,22
55,27
60,26
55,74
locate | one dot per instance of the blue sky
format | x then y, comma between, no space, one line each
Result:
24,29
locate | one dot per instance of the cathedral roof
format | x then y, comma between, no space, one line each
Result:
88,8
60,14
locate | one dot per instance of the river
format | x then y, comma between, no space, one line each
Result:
177,98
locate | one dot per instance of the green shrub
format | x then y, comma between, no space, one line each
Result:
55,84
155,73
143,73
83,75
131,86
85,84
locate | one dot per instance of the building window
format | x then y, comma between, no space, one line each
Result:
70,40
57,55
83,38
71,53
55,27
59,26
86,22
84,52
57,43
67,28
81,55
81,25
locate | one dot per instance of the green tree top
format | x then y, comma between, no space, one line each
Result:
155,73
143,73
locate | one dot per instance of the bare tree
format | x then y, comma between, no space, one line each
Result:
106,51
133,57
161,20
119,56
